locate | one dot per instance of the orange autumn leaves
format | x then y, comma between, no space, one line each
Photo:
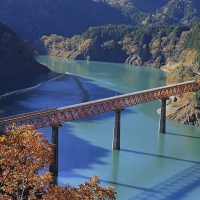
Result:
90,190
23,152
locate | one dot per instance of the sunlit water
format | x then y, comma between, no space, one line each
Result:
148,166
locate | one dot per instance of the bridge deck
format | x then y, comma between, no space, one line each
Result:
54,116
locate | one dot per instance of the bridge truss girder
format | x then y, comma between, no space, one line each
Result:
55,116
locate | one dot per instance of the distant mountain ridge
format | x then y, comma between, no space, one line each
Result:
181,11
146,5
161,12
31,20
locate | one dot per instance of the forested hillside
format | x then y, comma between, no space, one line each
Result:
33,19
151,46
143,5
158,12
17,57
177,11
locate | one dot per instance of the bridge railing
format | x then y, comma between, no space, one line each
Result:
53,116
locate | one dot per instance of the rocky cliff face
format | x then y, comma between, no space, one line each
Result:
136,60
76,55
184,108
182,111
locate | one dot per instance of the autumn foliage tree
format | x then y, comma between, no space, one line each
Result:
90,190
23,153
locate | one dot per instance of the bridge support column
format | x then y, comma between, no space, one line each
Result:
162,123
54,140
116,133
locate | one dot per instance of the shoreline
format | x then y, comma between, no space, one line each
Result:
169,67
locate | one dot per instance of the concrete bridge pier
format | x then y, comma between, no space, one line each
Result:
54,140
162,122
116,133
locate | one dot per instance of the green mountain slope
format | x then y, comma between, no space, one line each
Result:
179,11
33,19
151,46
158,12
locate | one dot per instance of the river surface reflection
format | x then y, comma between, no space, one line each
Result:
149,165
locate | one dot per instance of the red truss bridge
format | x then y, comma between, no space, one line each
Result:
55,116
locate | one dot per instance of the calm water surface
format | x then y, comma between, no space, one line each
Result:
148,166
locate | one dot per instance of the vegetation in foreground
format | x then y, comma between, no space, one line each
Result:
23,153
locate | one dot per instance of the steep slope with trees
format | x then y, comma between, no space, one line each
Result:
17,57
177,11
151,46
33,19
158,12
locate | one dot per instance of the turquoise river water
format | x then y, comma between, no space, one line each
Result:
149,166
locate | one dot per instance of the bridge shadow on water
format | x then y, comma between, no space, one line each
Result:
74,152
160,156
14,84
100,92
181,135
57,93
79,154
175,187
114,183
